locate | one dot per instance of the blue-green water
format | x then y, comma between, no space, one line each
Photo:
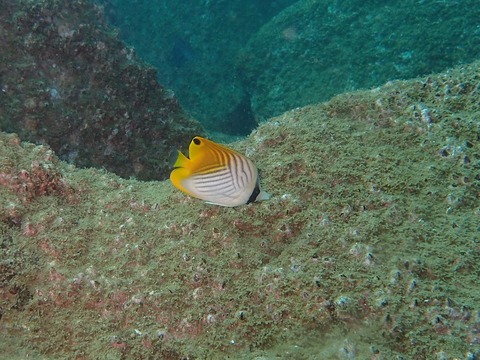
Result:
235,63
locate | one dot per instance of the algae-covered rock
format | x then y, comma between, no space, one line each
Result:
315,49
368,247
68,81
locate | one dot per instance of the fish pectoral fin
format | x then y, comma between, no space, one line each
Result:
182,161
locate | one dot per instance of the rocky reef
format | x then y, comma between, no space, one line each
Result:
316,49
368,248
235,63
68,81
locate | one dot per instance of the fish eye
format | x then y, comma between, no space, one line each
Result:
196,141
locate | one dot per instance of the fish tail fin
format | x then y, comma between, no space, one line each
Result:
181,161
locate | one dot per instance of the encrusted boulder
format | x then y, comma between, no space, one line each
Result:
316,49
68,81
367,249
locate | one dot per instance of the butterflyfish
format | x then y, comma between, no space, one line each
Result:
217,175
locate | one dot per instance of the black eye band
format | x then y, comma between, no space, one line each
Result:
254,195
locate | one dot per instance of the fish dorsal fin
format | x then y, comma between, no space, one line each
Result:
208,156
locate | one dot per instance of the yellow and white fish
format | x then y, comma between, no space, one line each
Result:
217,174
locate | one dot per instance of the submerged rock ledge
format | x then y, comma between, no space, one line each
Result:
68,81
368,247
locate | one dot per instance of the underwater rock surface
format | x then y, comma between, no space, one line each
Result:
368,248
316,49
68,81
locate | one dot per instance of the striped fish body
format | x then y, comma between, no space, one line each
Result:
217,174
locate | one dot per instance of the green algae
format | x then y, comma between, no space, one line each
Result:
368,247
